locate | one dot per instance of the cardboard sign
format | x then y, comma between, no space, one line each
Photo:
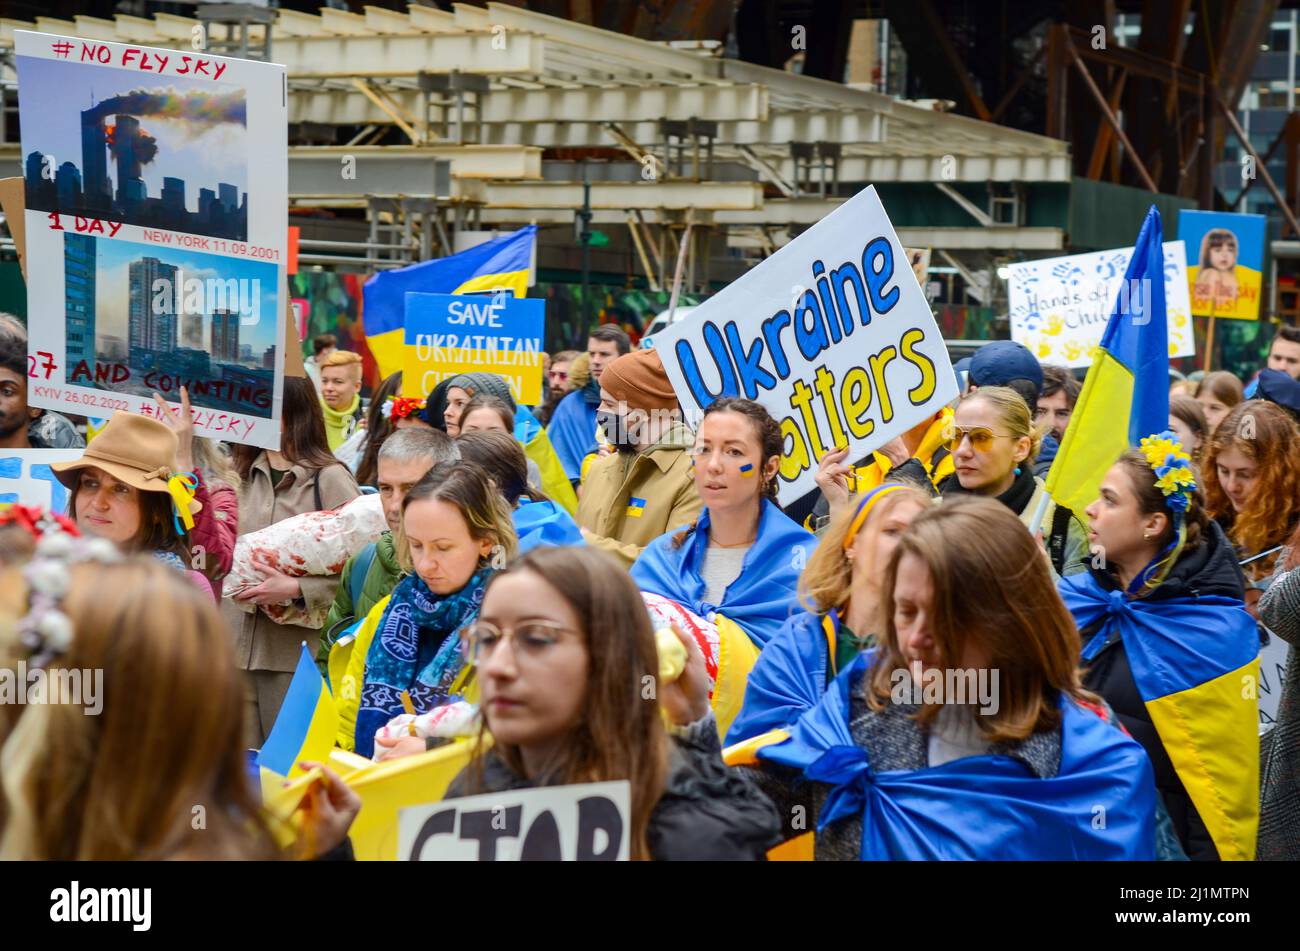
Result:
831,334
14,206
588,822
1060,306
156,188
27,479
1225,262
447,334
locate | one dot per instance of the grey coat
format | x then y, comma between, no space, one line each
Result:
1279,789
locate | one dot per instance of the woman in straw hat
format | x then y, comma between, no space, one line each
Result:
126,488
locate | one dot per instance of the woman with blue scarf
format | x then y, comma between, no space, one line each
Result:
408,656
965,733
1167,642
742,557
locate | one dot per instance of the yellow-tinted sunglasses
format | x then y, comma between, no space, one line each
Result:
981,437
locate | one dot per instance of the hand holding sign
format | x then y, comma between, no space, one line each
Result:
181,422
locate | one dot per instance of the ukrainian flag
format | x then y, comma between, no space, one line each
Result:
635,507
537,447
1128,380
500,264
306,725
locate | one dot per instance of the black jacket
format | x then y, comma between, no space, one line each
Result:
707,812
1209,569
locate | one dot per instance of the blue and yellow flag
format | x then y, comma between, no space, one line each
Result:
537,447
306,725
1196,665
500,264
1128,381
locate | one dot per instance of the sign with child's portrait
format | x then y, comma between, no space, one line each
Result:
1225,262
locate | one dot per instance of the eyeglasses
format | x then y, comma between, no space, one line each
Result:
981,437
532,639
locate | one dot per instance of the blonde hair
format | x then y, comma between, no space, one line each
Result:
826,581
1013,413
344,358
470,489
166,747
215,463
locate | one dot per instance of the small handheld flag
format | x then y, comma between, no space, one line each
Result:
306,725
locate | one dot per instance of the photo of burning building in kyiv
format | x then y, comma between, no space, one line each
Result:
141,157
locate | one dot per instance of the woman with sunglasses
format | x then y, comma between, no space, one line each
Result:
1162,621
993,443
563,646
841,589
407,655
742,557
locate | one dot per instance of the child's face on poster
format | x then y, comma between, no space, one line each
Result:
1223,257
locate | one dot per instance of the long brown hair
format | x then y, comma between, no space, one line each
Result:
165,751
469,488
157,531
619,735
1267,435
503,459
378,427
991,582
302,431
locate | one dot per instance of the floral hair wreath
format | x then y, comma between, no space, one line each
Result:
1172,466
45,630
400,407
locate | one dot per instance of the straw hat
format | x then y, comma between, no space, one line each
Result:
136,450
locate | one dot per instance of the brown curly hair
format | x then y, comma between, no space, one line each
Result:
1273,508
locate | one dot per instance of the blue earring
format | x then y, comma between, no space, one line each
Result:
1017,470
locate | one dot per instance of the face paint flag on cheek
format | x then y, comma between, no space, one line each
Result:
747,470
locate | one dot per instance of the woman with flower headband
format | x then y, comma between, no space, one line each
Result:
126,488
1168,644
840,587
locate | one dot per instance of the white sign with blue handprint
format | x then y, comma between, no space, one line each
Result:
27,479
1059,307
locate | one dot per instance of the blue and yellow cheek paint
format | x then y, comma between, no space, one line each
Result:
747,470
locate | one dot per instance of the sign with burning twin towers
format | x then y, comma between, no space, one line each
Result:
157,223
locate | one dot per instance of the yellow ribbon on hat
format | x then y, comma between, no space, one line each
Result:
182,486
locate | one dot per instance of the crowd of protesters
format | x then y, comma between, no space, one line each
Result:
462,551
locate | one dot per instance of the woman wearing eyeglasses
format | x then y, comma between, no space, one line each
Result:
563,646
993,443
841,589
456,531
742,557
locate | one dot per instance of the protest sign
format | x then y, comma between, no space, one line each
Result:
1272,675
587,822
1059,306
831,334
156,255
447,334
27,479
1225,262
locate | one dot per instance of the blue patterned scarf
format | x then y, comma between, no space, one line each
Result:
416,649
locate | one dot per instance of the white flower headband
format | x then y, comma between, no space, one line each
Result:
45,630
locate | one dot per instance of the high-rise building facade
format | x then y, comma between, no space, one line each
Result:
151,310
79,298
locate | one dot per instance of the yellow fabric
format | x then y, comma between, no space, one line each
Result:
736,658
181,486
868,476
389,350
587,460
554,482
745,753
337,421
387,788
352,661
1211,735
1095,437
799,849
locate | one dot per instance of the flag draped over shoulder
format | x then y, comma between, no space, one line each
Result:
1126,393
306,724
1196,665
500,264
537,447
1100,805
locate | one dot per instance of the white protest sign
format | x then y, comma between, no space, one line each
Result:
27,479
1059,306
1272,675
831,334
586,822
156,186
